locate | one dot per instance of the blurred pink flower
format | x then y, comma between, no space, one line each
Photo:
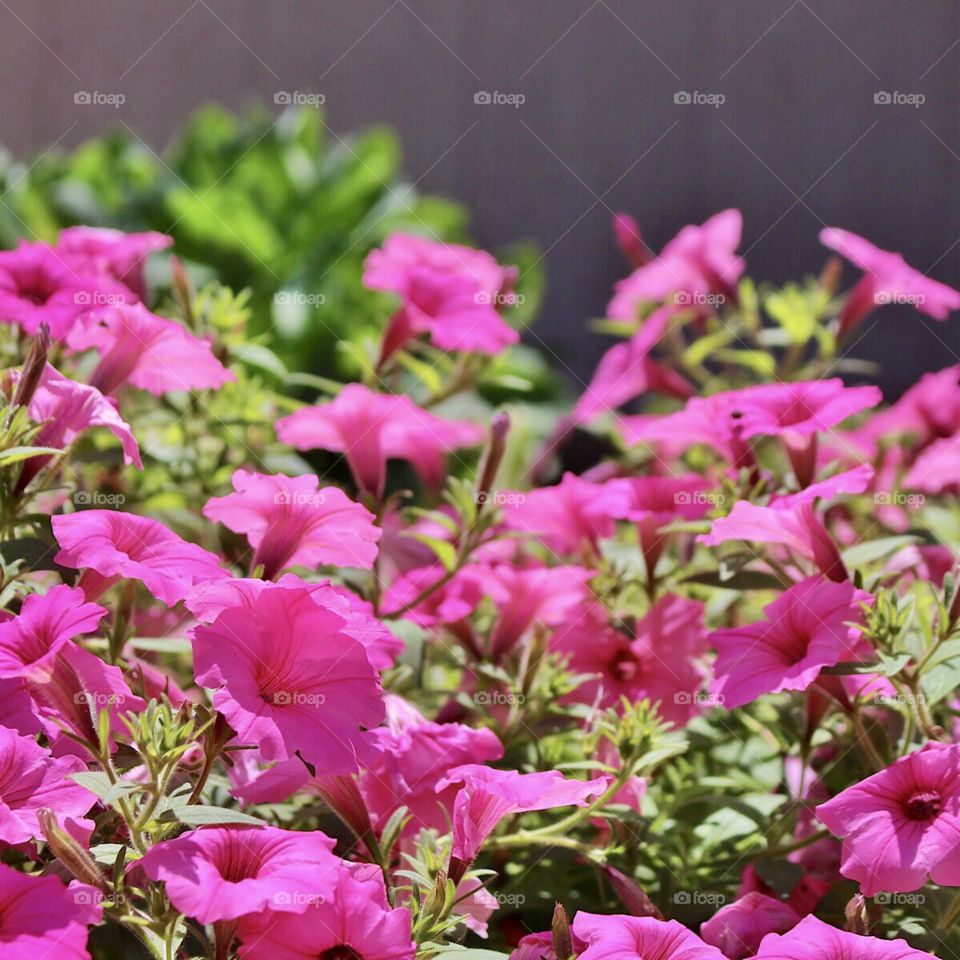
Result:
370,428
937,468
737,928
291,522
626,232
619,937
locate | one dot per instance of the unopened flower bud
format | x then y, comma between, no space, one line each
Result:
33,367
77,860
560,933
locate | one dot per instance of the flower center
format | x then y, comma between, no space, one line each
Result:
923,806
625,667
340,952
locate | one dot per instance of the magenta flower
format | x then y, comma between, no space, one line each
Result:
448,291
291,521
39,286
936,468
355,922
812,939
370,428
807,628
626,232
109,546
138,348
40,917
902,825
46,623
289,677
488,795
221,873
737,928
619,937
31,779
887,278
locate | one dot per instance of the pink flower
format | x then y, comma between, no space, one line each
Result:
658,661
97,250
370,428
626,231
46,623
143,350
448,291
39,286
289,677
291,522
812,939
887,278
807,628
488,795
738,928
619,937
355,922
902,825
111,545
698,261
40,917
413,755
31,779
937,468
221,873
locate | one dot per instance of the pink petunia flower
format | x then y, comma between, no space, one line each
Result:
489,795
887,278
812,939
937,468
699,261
355,922
222,873
40,917
449,292
291,521
619,937
31,779
657,661
109,546
806,629
46,623
737,928
37,285
370,428
902,825
289,677
138,348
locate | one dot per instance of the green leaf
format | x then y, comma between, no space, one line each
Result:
198,815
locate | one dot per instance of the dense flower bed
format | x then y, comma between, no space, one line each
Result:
373,677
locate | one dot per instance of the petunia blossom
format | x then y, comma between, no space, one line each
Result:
289,678
109,545
937,468
737,928
619,937
292,521
901,826
370,428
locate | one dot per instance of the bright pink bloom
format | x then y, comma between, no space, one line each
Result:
855,480
697,262
620,937
448,604
39,286
289,677
812,939
737,928
110,545
31,779
887,278
99,250
355,922
370,428
45,624
292,522
937,468
414,754
40,917
221,873
489,795
659,661
448,291
902,825
143,350
806,629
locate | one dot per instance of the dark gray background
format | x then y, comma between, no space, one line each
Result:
799,142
